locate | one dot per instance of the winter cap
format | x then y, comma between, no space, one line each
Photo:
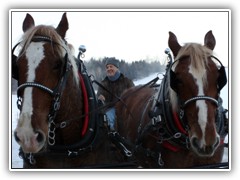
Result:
114,62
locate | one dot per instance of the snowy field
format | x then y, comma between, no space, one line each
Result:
17,162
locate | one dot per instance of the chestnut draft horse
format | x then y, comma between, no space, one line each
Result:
183,123
55,127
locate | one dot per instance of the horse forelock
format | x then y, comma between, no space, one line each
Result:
198,56
61,49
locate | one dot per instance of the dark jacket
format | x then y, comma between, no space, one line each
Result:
115,87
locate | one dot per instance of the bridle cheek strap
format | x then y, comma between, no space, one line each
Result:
178,123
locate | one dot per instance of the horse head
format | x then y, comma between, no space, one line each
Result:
195,83
45,67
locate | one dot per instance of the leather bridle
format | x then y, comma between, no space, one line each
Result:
55,93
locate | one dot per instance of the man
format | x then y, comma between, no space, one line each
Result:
115,82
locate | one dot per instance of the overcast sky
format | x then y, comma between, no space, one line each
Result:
131,35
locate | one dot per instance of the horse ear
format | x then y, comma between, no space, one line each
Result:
209,40
28,22
173,43
62,26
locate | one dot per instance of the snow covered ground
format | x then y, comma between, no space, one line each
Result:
17,162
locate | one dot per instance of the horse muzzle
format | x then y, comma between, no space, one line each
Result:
203,149
30,141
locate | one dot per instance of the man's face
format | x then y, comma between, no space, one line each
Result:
111,70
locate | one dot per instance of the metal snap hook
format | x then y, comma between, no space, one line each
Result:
31,159
160,161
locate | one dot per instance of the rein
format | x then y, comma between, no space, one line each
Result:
98,109
150,83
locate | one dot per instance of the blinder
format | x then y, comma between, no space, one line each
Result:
222,78
221,82
14,63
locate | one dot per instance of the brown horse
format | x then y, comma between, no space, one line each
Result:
183,123
55,128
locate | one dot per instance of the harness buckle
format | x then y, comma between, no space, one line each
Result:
156,120
56,105
19,103
181,113
72,153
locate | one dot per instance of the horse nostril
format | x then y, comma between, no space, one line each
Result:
209,149
16,137
39,136
195,142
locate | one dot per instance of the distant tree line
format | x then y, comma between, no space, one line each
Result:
134,70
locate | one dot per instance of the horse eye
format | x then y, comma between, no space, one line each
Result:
178,81
57,65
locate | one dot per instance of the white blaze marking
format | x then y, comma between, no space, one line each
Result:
34,55
202,106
